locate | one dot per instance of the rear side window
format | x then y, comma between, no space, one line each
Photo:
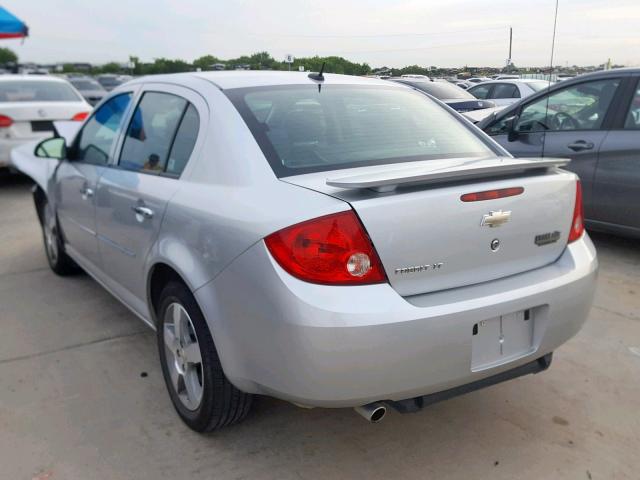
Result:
481,91
303,128
184,142
505,90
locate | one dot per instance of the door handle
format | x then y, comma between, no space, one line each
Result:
142,213
86,192
580,145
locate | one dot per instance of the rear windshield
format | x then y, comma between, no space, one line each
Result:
303,128
442,91
36,91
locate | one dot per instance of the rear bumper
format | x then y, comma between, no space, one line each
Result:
347,346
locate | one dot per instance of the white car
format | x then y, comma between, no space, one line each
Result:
478,79
30,104
506,92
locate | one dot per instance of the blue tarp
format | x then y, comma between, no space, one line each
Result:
11,26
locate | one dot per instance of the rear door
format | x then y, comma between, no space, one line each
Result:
134,192
617,179
76,177
569,123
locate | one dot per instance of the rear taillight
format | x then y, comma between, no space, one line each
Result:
79,117
331,250
5,122
577,224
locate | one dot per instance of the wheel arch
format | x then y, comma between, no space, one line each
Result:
160,274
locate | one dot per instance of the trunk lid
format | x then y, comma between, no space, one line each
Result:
34,119
428,239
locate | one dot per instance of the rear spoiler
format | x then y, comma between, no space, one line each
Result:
386,179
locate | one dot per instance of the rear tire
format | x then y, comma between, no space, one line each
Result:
201,393
61,263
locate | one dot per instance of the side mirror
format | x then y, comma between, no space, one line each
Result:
510,125
52,148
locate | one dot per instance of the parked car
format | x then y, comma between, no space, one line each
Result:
594,120
457,98
503,76
506,92
333,241
28,106
478,79
464,85
415,76
109,81
89,88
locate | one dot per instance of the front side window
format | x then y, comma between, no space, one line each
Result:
98,134
633,115
505,90
151,132
302,129
579,107
481,91
37,91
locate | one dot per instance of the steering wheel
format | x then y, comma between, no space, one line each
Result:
563,121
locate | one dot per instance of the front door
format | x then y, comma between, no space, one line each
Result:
617,180
568,123
134,193
77,176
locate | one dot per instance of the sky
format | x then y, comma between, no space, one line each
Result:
392,33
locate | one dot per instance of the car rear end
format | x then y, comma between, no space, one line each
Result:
449,263
30,105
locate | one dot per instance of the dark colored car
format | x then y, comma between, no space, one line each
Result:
593,119
109,81
452,95
91,90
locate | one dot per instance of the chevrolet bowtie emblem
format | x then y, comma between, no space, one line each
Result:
495,218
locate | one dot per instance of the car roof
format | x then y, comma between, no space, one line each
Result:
259,78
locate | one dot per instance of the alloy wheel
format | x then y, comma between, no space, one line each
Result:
182,356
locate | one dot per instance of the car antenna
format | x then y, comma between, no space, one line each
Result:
546,109
318,76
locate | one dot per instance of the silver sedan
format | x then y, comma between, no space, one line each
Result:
333,241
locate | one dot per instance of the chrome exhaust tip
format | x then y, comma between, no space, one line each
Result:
372,412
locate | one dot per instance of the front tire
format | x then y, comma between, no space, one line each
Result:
201,393
61,263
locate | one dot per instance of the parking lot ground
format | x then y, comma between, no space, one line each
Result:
82,395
